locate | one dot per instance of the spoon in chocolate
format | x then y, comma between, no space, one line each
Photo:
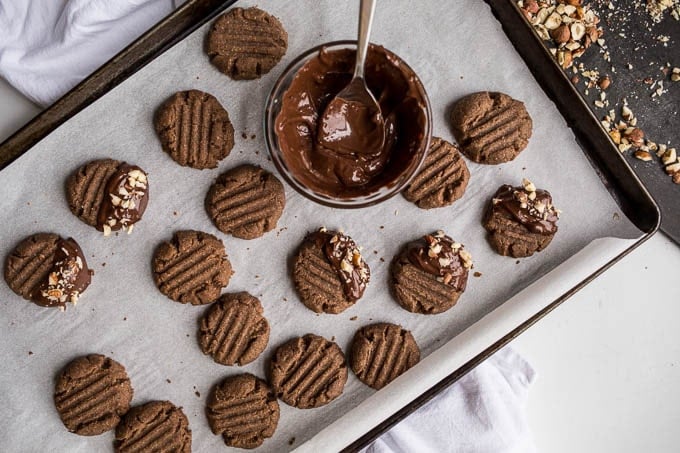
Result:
352,122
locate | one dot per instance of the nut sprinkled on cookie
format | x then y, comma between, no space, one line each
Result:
440,255
345,256
128,195
528,205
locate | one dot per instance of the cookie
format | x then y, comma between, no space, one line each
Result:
308,372
244,410
92,394
246,43
245,202
381,352
491,128
430,274
441,180
48,270
233,330
192,267
520,220
329,273
157,426
108,195
194,129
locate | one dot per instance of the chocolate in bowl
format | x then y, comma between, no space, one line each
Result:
298,101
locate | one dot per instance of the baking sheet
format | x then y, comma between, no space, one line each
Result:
455,48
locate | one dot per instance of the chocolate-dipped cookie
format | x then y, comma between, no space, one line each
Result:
233,330
246,43
308,372
108,195
47,270
157,426
194,129
244,410
430,274
441,180
520,220
329,272
192,268
381,352
491,128
92,394
246,202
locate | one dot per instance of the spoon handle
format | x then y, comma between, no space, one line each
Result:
365,21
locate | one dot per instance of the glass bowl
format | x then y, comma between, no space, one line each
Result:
371,197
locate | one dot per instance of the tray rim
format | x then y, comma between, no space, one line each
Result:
195,13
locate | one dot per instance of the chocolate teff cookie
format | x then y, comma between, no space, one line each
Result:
48,270
246,43
520,220
108,195
441,180
194,129
92,394
329,273
192,267
246,202
430,274
381,352
490,127
233,330
244,410
308,372
157,426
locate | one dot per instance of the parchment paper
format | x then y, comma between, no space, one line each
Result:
455,47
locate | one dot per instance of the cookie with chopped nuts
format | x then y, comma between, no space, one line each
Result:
192,267
520,220
194,129
233,330
92,394
491,127
430,274
329,272
246,43
442,178
108,194
399,353
48,270
244,410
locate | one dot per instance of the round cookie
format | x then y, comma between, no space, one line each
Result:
244,410
329,273
192,267
108,195
194,129
246,43
153,427
308,371
491,128
233,330
381,352
430,274
246,202
441,180
92,394
520,220
48,270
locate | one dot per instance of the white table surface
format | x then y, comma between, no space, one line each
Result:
608,359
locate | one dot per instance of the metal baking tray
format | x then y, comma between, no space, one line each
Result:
623,185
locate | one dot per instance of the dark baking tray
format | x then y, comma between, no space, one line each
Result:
615,173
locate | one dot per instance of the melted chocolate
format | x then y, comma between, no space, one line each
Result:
347,163
68,277
343,255
439,255
127,197
537,215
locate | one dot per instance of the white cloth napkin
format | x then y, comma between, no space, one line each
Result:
48,46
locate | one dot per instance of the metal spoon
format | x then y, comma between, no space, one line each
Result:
352,123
